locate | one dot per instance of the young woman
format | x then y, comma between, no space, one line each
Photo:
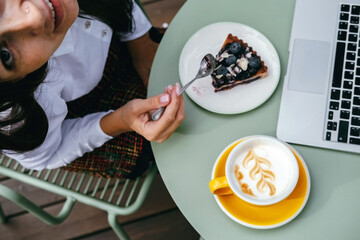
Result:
72,94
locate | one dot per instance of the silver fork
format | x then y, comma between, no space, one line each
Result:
207,66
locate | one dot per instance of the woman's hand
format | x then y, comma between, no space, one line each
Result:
134,116
142,51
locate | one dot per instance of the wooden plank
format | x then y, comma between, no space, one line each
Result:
162,11
169,225
84,219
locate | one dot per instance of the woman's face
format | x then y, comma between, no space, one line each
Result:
30,32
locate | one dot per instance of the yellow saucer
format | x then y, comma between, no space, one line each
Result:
264,217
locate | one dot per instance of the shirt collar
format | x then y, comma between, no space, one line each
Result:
67,45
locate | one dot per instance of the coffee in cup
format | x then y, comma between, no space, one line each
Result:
261,170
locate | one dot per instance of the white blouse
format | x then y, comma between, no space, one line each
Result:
73,71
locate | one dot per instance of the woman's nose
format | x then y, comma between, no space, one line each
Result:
26,18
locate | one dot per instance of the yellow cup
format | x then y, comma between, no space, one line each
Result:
260,170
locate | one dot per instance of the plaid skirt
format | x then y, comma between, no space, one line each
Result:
129,154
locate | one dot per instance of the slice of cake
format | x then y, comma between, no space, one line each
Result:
237,63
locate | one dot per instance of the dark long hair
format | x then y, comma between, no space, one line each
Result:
25,125
115,13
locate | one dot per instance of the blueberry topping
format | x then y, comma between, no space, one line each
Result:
221,70
235,47
252,71
230,60
216,84
254,62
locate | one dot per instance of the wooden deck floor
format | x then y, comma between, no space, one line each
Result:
158,218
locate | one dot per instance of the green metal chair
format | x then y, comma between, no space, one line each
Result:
115,196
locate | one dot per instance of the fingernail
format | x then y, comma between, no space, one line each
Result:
164,98
169,88
178,88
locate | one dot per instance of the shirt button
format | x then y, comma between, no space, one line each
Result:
87,24
104,33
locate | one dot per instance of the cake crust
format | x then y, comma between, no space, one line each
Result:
237,64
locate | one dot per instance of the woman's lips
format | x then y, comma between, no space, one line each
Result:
59,12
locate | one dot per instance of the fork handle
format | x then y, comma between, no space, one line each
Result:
158,113
188,84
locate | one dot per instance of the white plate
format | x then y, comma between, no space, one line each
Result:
241,98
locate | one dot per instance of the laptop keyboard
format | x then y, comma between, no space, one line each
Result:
343,114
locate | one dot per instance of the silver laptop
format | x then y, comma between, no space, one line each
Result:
320,104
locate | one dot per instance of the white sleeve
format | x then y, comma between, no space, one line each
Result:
67,139
141,25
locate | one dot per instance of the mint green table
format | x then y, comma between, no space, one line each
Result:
186,160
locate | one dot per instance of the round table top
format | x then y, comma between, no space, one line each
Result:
186,160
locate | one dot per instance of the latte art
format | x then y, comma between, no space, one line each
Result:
260,172
244,187
263,170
